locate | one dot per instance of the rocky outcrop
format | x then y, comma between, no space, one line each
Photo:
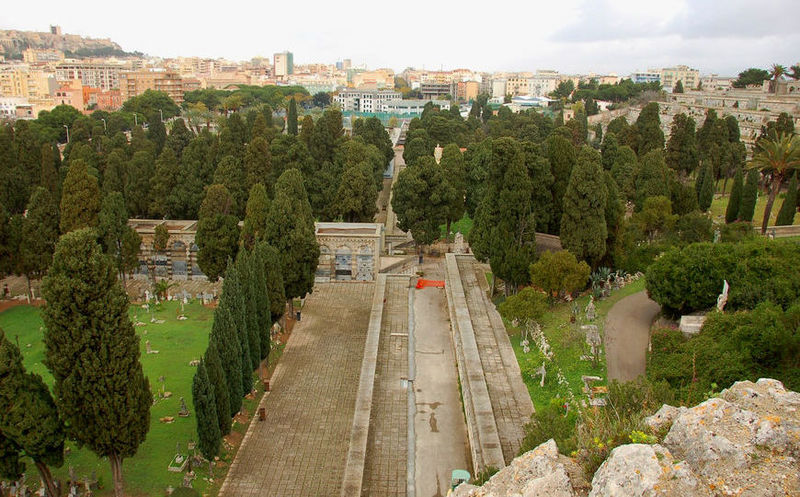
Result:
745,442
13,42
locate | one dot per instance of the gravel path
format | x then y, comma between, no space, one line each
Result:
627,333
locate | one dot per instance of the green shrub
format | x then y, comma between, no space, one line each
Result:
484,475
690,279
551,422
527,305
737,232
559,273
694,227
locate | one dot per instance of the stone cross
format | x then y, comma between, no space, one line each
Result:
147,346
541,371
592,338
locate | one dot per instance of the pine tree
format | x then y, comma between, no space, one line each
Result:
39,235
205,411
225,338
30,419
504,230
93,352
255,218
163,183
706,189
217,379
291,117
217,232
290,229
80,198
584,229
789,207
735,200
651,180
749,196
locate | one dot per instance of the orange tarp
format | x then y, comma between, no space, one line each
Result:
434,283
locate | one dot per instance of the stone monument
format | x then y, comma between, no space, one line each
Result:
723,297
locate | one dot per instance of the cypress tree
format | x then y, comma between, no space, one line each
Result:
118,240
678,87
735,199
625,170
50,179
259,129
504,231
291,117
749,196
682,153
205,411
255,218
454,173
651,180
39,235
217,379
225,337
114,172
30,419
706,189
789,207
307,129
80,198
648,129
141,169
261,299
93,352
257,162
274,278
163,183
217,232
356,198
541,185
562,155
583,226
230,173
290,229
609,151
233,300
245,271
11,467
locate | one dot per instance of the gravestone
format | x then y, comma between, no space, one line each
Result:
592,339
459,247
691,325
541,371
591,311
183,412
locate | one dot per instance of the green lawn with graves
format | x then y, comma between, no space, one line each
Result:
178,342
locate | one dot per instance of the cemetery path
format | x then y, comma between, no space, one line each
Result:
627,333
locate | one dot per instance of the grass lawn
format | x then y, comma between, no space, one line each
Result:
720,204
568,345
178,342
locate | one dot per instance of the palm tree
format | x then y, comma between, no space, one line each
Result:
795,74
776,72
778,157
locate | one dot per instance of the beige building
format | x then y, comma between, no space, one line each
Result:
671,75
379,78
26,82
135,83
91,74
349,251
40,55
283,64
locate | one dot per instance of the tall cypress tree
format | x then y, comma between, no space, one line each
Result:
625,170
291,117
307,129
245,272
233,300
609,151
217,231
29,418
216,376
39,235
261,298
226,341
651,180
583,226
205,411
290,229
257,161
648,130
11,466
789,207
163,183
274,278
749,196
682,154
735,199
93,353
706,189
50,179
80,198
141,169
562,159
541,185
255,219
118,240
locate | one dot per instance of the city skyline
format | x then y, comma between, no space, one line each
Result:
575,36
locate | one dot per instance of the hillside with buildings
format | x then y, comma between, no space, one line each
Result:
14,44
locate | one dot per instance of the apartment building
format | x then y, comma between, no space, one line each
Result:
42,55
649,76
283,64
379,78
93,74
134,83
466,91
25,82
366,100
671,75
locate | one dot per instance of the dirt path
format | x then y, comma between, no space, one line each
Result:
627,332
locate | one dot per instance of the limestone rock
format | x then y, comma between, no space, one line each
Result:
663,418
538,473
644,470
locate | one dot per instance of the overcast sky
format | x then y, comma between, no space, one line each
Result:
571,36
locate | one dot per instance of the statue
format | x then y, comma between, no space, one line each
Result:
723,297
541,371
717,235
591,312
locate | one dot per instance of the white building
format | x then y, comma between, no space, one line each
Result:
366,100
543,84
411,107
